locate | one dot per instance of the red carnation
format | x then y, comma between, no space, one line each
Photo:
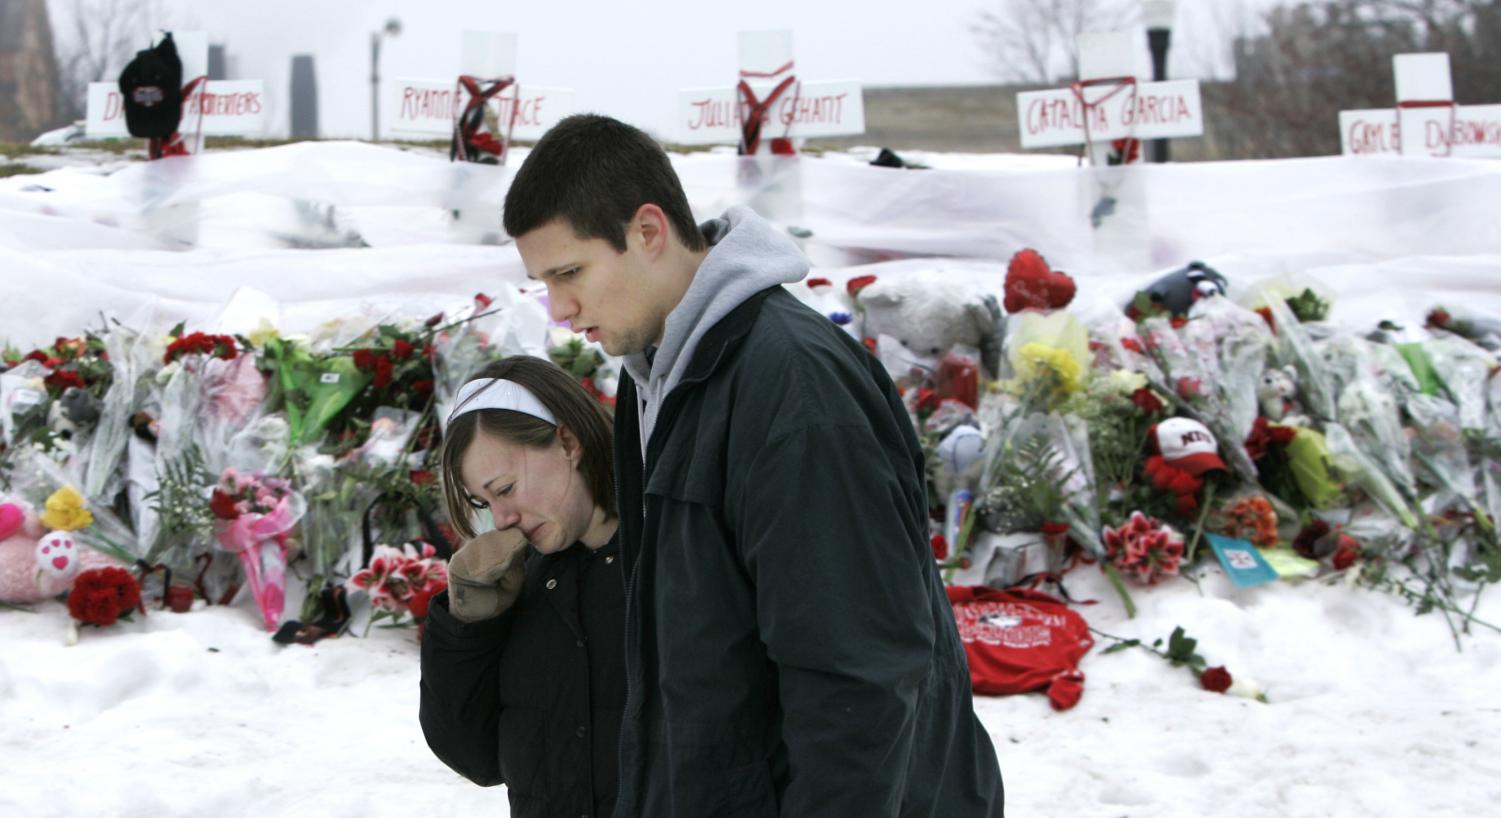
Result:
101,595
223,506
402,349
1216,679
858,283
1189,388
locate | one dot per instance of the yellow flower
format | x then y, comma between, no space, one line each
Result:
65,511
1037,360
262,333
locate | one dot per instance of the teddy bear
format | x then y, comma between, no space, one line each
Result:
36,564
926,316
1277,393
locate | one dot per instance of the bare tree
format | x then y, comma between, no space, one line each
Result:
1035,41
1318,58
95,38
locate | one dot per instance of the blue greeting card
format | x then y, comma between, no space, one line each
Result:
1241,561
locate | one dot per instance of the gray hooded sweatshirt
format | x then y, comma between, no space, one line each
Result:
747,254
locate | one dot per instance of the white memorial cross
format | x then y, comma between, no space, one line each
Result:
769,102
215,107
1427,112
428,108
1108,102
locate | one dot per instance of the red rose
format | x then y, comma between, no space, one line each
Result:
1147,401
1052,529
1439,317
1282,435
858,283
1346,552
364,359
402,349
64,378
940,546
429,352
422,387
223,506
100,595
36,355
1178,323
421,477
433,321
1216,679
483,301
382,371
819,282
1133,345
1306,543
1189,388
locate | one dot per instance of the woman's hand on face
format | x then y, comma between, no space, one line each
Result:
486,574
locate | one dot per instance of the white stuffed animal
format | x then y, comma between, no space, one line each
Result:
1277,394
929,314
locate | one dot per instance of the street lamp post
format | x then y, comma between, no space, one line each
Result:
1158,16
391,29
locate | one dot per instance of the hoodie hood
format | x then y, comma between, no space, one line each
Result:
747,254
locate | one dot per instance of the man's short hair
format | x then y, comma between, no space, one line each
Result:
595,172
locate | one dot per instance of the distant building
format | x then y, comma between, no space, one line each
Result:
28,71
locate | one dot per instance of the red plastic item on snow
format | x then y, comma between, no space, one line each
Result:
1019,640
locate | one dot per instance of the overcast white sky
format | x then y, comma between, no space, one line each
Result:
626,59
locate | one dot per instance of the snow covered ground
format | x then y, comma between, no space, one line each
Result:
1371,710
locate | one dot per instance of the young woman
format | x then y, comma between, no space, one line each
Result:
522,662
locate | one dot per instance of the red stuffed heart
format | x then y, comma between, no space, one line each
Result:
1032,285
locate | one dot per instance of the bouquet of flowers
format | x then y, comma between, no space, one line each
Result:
255,516
401,582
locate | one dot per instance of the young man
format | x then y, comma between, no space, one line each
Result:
789,647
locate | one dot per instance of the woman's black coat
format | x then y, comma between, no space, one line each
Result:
532,699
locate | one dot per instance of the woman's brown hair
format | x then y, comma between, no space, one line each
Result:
573,407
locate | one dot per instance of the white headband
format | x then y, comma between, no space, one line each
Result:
498,393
